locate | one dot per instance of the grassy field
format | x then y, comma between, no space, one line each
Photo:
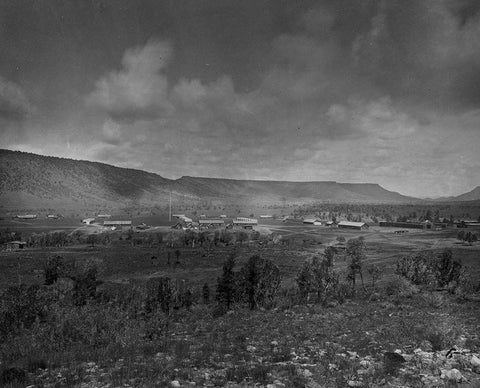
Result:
110,342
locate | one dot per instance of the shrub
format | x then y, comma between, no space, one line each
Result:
356,250
419,268
399,286
261,280
426,269
85,284
206,293
53,269
317,276
226,283
448,269
160,294
20,307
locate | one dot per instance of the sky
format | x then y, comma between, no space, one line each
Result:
374,91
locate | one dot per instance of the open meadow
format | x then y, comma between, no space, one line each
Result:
98,322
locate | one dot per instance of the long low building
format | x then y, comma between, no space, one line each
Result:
406,225
117,223
352,225
244,222
27,216
312,221
211,222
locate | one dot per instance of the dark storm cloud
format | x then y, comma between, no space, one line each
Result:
300,90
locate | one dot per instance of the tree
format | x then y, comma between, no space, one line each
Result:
261,280
304,280
177,256
53,269
206,293
85,283
356,250
375,273
92,239
226,283
329,255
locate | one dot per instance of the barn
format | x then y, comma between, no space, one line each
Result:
117,224
245,223
408,225
211,222
312,221
27,216
352,225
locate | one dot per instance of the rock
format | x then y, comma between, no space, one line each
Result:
305,373
352,354
365,363
475,361
452,375
393,357
392,361
426,346
251,348
274,343
353,383
174,384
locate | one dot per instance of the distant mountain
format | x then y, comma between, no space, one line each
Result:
472,195
30,181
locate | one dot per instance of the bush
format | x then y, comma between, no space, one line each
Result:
226,284
261,280
419,269
53,269
85,283
399,286
20,307
317,276
426,269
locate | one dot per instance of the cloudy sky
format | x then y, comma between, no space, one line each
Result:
351,91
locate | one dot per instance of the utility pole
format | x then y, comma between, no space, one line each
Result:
170,208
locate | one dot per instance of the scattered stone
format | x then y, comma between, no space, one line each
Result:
475,361
452,375
352,354
393,357
305,373
251,348
426,346
175,384
365,363
392,361
353,383
274,343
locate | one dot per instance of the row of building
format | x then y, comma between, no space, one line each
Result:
185,222
341,224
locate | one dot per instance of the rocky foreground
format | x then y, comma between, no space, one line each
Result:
428,340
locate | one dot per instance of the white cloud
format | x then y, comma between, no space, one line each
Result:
14,105
140,88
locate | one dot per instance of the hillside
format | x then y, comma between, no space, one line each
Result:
472,195
30,181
